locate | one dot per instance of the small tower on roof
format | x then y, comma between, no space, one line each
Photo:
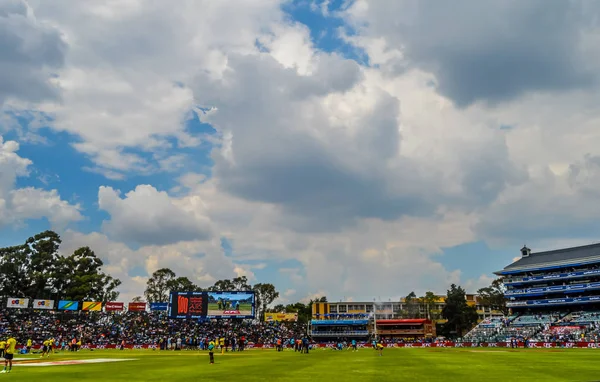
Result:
525,252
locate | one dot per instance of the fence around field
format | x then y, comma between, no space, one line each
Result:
580,345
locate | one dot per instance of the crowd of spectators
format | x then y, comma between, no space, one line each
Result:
137,328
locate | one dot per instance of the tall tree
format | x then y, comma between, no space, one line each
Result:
158,285
182,284
241,284
222,285
428,302
411,306
14,271
279,308
265,295
493,296
461,317
44,259
80,277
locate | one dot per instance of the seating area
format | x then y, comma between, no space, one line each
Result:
536,319
585,317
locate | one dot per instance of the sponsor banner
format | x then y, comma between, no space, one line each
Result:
68,305
114,306
269,317
136,306
43,304
159,306
19,303
535,345
92,305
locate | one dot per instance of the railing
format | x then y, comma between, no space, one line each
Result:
554,276
554,301
405,331
557,288
339,334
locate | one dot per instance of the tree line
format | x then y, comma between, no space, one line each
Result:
36,269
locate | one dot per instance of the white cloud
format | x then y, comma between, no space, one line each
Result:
123,84
203,262
31,51
148,216
20,204
350,173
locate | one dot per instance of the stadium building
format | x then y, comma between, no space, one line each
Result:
551,295
562,280
391,319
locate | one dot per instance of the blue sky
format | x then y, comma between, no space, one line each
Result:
315,145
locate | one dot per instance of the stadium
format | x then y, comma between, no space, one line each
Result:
552,297
299,190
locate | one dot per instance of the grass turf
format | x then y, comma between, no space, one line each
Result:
325,365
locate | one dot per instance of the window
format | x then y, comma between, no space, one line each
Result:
356,307
332,308
342,308
369,308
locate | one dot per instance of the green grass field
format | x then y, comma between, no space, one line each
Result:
320,365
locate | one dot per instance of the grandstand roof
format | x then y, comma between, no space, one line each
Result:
556,258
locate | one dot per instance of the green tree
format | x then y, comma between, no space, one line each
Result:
14,271
411,306
137,299
265,294
223,286
459,315
428,302
159,285
279,308
81,278
43,263
493,296
240,284
304,311
37,270
181,284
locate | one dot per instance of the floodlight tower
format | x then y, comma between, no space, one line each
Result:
375,319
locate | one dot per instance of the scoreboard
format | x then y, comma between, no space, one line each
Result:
195,305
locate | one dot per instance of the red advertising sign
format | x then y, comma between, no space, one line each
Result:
136,306
114,306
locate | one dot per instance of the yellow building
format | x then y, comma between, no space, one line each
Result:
398,309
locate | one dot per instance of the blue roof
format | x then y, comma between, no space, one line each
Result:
555,259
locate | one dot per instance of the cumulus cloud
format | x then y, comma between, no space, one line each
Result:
148,216
31,51
486,50
203,262
325,171
19,204
124,82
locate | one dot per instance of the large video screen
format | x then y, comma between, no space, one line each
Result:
230,304
187,305
211,305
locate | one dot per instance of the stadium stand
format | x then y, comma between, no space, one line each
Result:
553,296
136,328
